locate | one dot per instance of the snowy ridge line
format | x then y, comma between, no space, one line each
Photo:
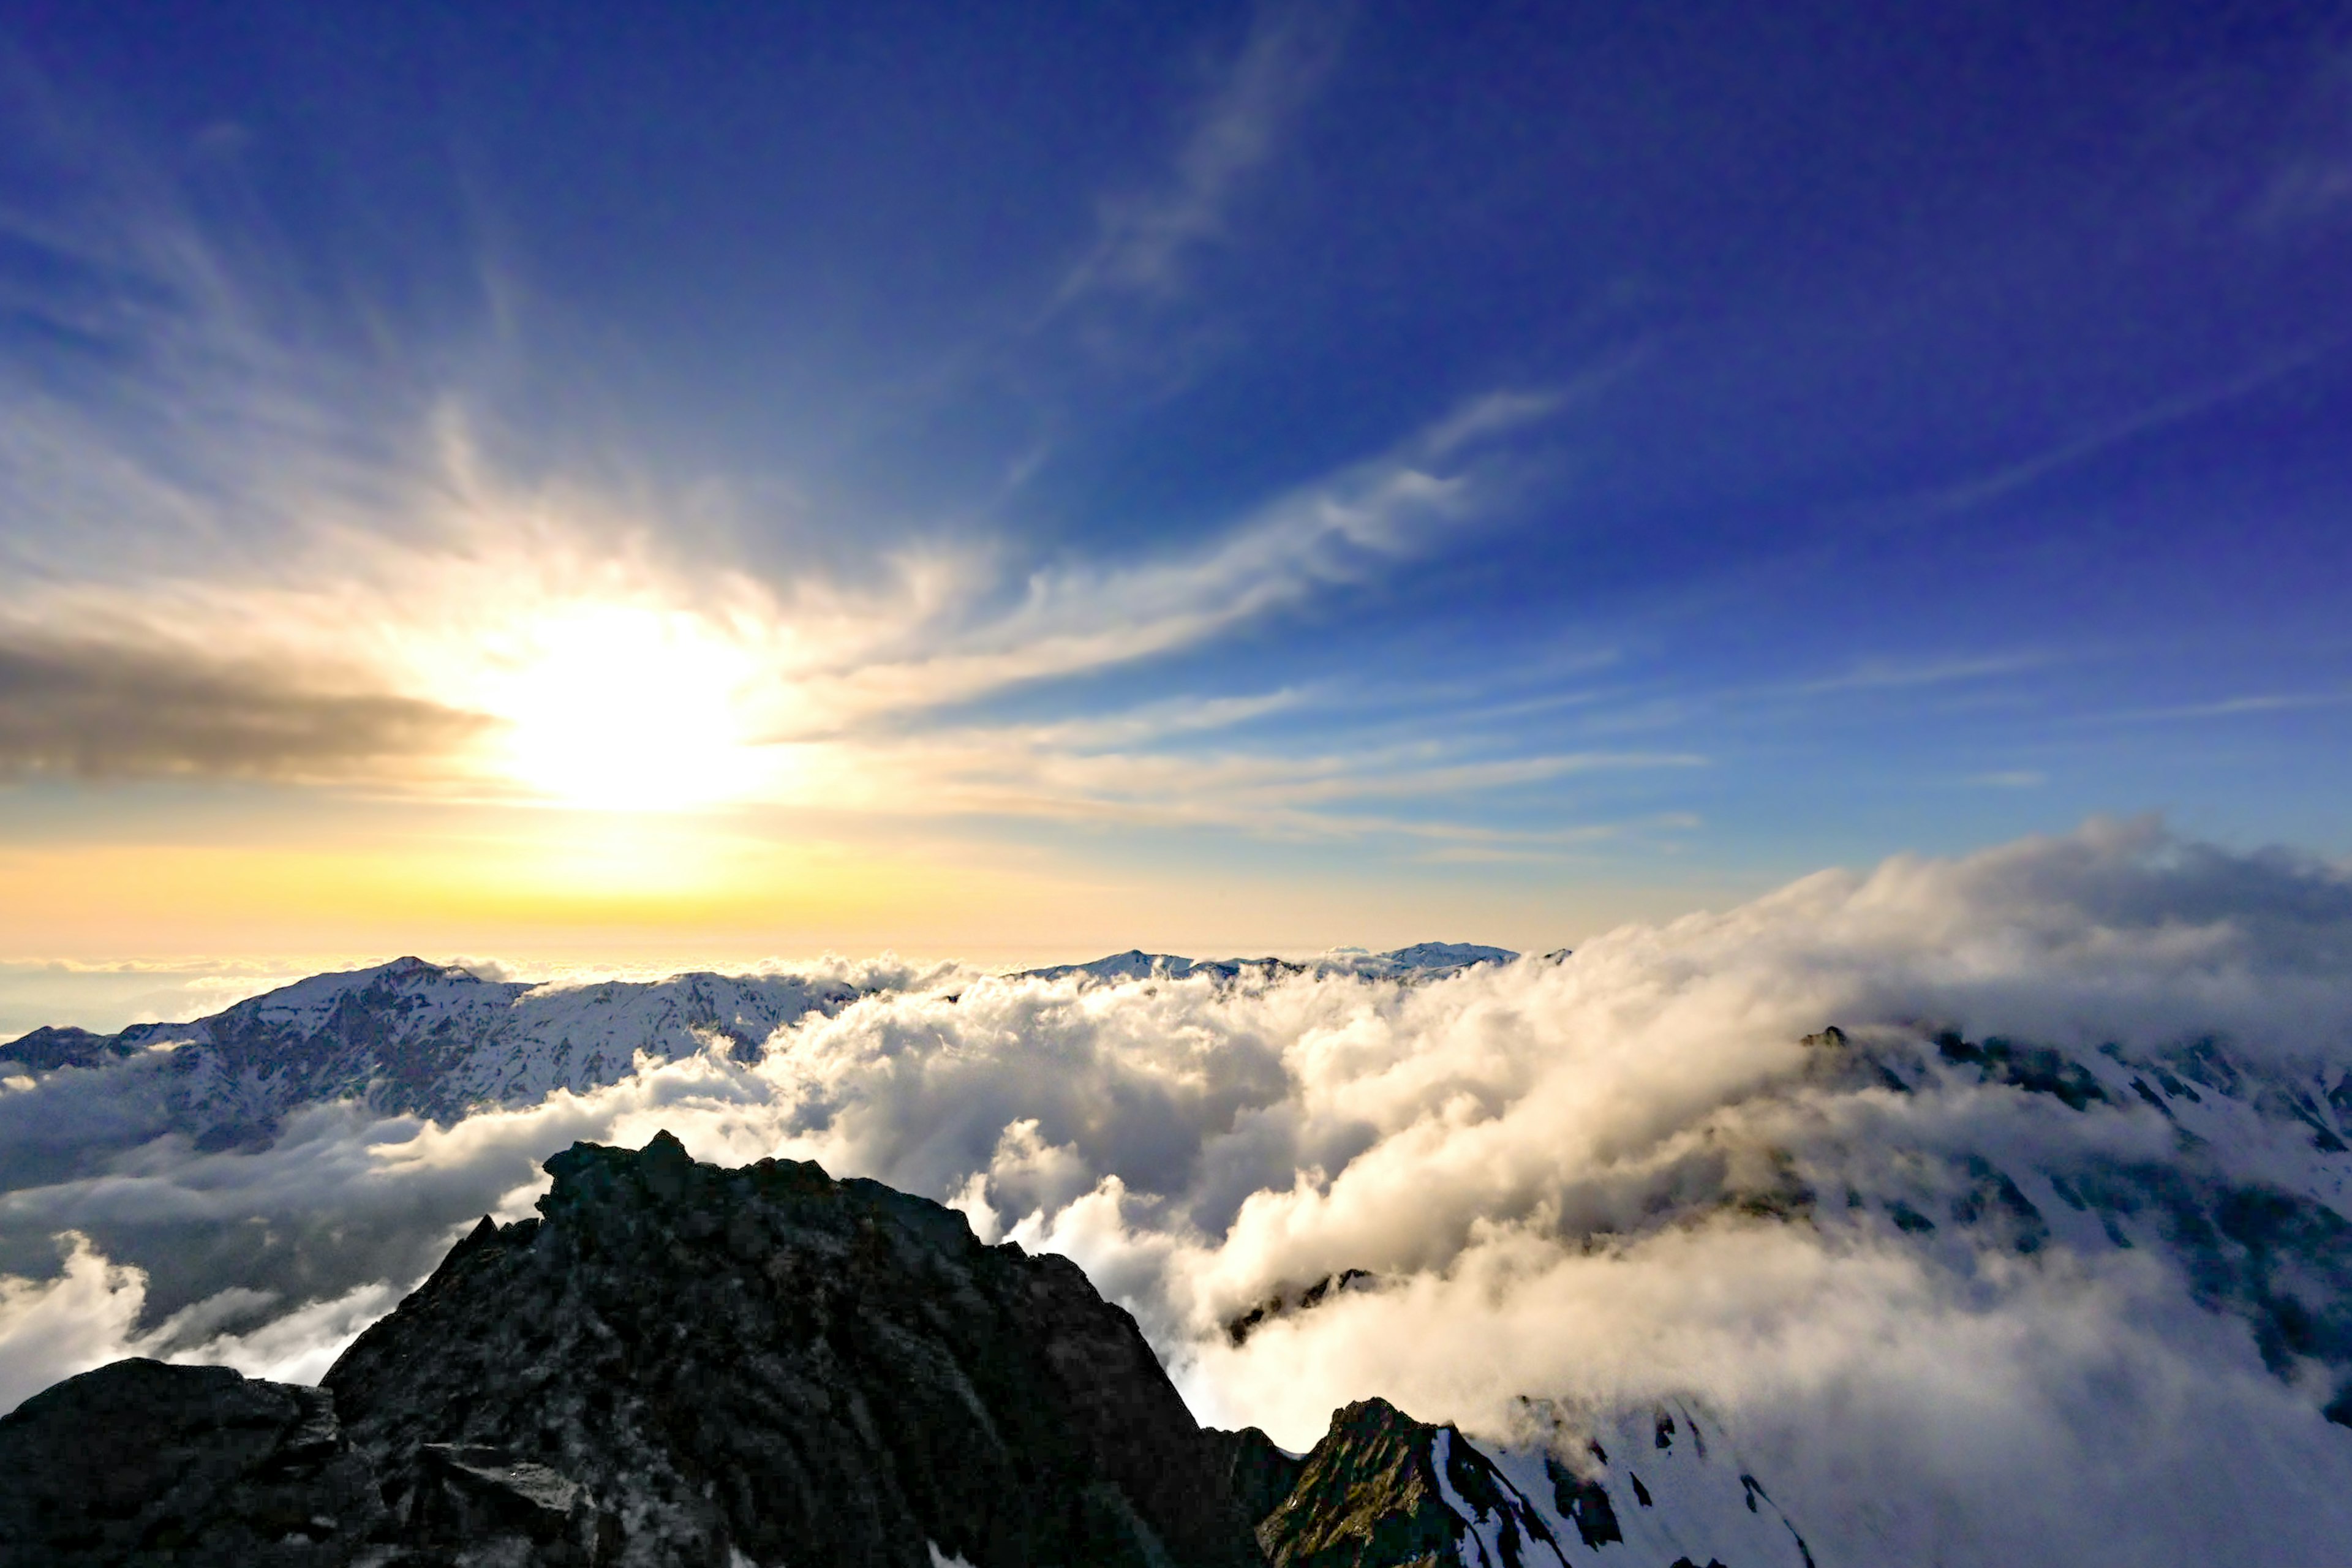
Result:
1421,961
412,1037
1647,1485
418,1038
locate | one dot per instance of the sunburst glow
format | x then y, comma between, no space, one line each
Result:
624,707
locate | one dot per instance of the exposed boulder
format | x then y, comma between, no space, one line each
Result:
140,1462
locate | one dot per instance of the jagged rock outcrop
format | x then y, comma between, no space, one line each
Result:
1287,1300
139,1462
675,1364
770,1362
1383,1490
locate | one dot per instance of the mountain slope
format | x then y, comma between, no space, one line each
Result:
419,1038
2245,1191
1381,1490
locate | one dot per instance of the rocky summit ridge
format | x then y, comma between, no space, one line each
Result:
679,1363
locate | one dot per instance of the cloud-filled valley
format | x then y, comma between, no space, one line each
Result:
627,495
2041,1255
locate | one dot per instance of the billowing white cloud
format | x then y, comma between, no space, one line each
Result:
1611,1179
88,1315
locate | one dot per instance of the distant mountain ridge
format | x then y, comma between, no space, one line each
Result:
426,1039
1421,961
411,1037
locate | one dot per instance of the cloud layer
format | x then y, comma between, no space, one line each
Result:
1611,1179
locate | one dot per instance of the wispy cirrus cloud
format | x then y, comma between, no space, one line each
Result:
447,624
1341,528
2101,438
2311,180
1006,772
1901,674
2233,706
1144,236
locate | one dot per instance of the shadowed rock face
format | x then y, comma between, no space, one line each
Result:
1258,1474
680,1362
677,1365
140,1462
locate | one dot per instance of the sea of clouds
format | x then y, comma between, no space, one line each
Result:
1550,1169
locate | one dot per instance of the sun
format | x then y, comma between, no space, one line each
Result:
622,708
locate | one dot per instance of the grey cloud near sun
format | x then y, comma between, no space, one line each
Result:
92,710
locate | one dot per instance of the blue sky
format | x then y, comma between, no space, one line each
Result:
1223,477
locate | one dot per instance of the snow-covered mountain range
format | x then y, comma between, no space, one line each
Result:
1808,1234
1421,961
412,1037
436,1041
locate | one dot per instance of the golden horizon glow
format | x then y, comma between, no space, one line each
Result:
487,881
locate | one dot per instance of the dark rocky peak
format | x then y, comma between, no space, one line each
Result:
140,1462
675,1363
1286,1301
678,1363
1383,1490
